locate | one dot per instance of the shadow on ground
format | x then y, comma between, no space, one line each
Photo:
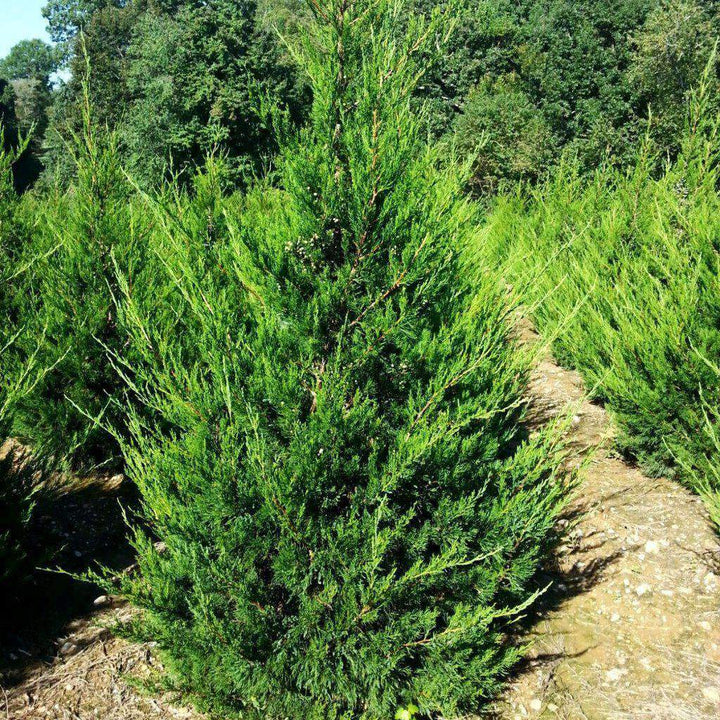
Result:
75,527
560,585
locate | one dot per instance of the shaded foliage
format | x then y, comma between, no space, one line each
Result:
79,239
16,480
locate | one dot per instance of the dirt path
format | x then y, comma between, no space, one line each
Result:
64,663
633,627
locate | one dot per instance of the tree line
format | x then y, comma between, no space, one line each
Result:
520,85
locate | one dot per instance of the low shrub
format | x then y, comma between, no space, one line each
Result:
78,238
621,271
342,510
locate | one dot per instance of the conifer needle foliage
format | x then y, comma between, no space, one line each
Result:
78,239
15,480
623,272
342,512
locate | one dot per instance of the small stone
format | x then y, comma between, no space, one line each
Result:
68,648
705,625
615,617
535,705
652,547
712,695
643,589
77,554
615,674
552,707
101,600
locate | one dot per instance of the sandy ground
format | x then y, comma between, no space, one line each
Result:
630,630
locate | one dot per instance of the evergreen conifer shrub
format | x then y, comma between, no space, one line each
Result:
15,479
623,272
79,237
341,509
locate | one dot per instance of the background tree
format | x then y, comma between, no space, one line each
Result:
28,67
670,53
30,60
97,36
174,78
585,71
197,74
7,114
504,134
67,18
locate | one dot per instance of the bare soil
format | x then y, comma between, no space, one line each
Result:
63,661
631,627
629,630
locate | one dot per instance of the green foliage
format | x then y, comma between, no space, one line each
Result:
28,66
504,135
670,55
29,60
197,74
78,239
622,270
7,113
562,64
178,79
583,76
483,46
175,80
99,62
96,59
331,452
66,18
15,480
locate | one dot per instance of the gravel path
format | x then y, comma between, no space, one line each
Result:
631,628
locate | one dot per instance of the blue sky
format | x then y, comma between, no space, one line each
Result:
20,20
